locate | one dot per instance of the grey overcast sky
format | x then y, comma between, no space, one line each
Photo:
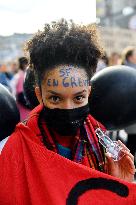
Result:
27,16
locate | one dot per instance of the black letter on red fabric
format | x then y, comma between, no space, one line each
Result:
94,184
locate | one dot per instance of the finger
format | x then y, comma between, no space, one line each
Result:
129,154
131,165
126,150
109,163
109,158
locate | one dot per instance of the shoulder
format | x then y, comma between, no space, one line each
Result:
12,151
17,144
24,131
11,142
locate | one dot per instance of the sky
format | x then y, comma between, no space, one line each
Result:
27,16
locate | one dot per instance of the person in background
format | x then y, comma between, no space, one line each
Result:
13,68
5,77
114,59
17,88
129,57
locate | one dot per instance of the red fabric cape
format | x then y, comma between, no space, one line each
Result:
32,175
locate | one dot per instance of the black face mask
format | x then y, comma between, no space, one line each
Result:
65,121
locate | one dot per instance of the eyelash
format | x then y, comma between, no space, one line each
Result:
58,99
80,96
54,96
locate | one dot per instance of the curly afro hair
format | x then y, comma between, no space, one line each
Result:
64,43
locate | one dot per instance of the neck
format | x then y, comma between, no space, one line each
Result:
66,141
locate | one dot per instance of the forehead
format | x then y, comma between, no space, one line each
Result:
66,72
66,77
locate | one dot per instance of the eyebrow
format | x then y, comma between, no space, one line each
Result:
81,92
55,93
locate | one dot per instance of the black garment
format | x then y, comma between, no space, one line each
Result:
22,101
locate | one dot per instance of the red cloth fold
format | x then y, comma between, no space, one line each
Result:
30,174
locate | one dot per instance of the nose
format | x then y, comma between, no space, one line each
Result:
67,105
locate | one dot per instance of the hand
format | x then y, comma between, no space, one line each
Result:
124,168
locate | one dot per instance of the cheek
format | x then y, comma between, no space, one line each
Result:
47,103
45,99
86,99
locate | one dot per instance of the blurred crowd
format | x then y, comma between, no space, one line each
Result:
12,77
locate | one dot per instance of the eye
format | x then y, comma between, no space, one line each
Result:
79,98
54,99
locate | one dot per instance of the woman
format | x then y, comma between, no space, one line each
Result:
64,57
17,88
114,59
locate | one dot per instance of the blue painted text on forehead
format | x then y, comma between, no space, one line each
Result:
68,77
65,72
68,82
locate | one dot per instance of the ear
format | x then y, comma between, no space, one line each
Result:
38,94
